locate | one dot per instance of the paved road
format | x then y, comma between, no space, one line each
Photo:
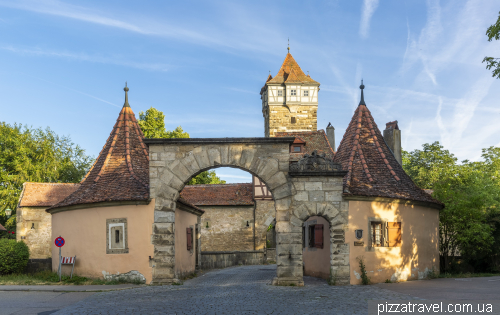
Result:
487,288
243,290
43,303
235,290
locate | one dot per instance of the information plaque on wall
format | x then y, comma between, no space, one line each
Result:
359,243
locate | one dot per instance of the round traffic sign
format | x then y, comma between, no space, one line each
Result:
59,242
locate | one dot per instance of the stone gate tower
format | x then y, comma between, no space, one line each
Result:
289,100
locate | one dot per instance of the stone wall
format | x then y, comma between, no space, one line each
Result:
37,265
280,119
215,260
315,196
34,227
265,213
227,228
173,162
297,196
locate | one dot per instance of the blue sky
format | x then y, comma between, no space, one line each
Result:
64,64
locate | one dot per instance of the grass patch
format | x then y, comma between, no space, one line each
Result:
51,278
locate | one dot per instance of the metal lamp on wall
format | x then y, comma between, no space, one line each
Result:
8,212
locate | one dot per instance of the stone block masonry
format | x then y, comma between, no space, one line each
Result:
227,228
293,202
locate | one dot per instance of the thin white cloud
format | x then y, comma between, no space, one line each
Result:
85,57
71,89
238,29
369,7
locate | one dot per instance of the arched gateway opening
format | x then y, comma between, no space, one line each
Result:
312,187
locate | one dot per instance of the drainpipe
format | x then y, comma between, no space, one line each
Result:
254,208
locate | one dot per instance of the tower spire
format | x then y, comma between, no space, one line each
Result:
362,87
126,96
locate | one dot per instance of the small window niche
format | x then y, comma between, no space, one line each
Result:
116,236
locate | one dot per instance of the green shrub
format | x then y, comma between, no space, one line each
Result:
362,268
13,256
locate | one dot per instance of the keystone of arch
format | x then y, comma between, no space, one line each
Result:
327,210
304,211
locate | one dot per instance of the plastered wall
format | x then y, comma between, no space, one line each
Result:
84,231
419,250
185,260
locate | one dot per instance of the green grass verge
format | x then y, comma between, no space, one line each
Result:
51,278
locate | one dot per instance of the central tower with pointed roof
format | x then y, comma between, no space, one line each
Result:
289,100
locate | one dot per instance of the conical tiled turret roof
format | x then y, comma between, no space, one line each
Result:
291,72
372,168
121,172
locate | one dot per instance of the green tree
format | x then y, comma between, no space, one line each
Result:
152,123
471,194
36,155
491,62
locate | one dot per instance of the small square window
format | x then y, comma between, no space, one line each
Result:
293,120
293,92
296,148
280,92
306,93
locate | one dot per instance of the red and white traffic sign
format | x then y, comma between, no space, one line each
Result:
59,242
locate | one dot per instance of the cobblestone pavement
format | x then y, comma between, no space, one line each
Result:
236,290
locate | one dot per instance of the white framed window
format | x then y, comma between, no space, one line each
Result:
280,92
306,93
293,92
116,236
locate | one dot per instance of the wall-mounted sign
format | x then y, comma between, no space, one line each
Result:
359,243
359,234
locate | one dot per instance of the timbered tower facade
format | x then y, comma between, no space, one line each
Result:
289,100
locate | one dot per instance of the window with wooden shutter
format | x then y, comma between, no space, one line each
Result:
318,235
394,233
189,234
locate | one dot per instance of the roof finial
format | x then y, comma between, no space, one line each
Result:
288,45
126,96
362,101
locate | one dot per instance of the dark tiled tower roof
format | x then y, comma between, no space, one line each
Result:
121,172
373,170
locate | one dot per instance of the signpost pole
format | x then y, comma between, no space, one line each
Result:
60,271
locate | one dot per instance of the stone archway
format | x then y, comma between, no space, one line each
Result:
173,162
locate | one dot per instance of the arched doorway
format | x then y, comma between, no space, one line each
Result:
316,247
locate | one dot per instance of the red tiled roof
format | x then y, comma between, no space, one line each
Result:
372,168
121,172
187,203
315,141
290,72
219,194
45,194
